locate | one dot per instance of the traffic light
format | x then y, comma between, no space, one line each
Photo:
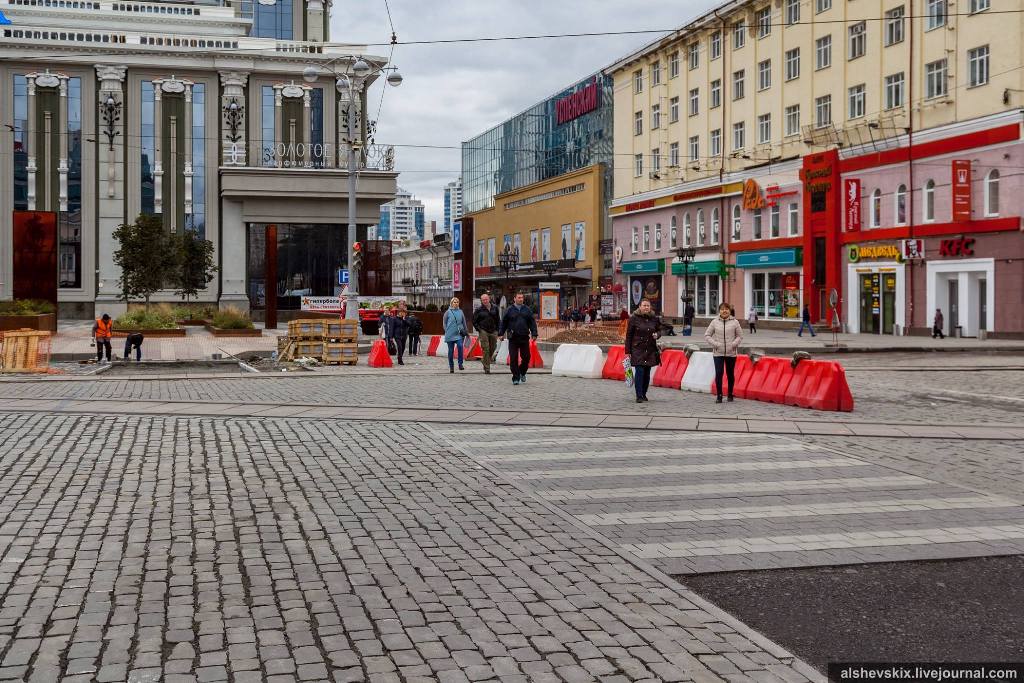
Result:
357,258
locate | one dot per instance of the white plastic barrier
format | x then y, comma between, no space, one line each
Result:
442,348
700,372
578,360
502,352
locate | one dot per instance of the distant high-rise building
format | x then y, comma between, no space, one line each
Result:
402,218
452,203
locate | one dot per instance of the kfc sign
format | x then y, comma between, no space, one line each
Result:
851,189
959,247
961,190
577,104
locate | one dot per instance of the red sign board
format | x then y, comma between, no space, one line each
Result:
791,281
961,190
35,255
577,104
456,276
851,192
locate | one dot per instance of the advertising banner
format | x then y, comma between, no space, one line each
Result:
851,190
457,275
961,190
645,287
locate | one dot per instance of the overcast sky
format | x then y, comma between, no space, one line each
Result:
453,92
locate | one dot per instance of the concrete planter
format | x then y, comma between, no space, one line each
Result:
217,332
193,322
150,334
46,322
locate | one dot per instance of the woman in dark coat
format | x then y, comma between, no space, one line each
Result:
642,334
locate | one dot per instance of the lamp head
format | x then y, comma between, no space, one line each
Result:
395,79
360,68
343,86
310,74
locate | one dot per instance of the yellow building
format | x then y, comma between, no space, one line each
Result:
556,224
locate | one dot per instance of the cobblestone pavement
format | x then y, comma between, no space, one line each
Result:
698,503
184,549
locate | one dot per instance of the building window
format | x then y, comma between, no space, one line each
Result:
764,128
739,135
992,193
776,218
657,237
793,120
858,100
794,219
273,21
638,81
638,123
716,226
737,222
655,116
655,159
858,39
694,102
793,64
823,111
764,75
701,228
792,12
935,79
823,52
894,26
673,155
929,201
638,165
901,205
673,110
656,73
977,63
715,45
758,218
823,5
686,229
876,208
979,6
636,239
672,232
716,142
716,93
673,64
695,148
739,80
693,55
647,238
739,35
936,13
894,91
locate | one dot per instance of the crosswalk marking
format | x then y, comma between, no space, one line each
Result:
655,470
647,453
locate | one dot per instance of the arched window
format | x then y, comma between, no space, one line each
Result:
715,225
901,205
686,229
876,208
657,237
992,193
929,201
672,233
636,239
701,229
737,222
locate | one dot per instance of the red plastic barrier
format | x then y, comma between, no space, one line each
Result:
435,342
536,360
819,385
769,380
473,351
670,372
379,357
742,374
613,364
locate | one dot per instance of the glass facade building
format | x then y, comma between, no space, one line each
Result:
545,141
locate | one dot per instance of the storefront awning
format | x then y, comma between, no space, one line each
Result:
647,266
700,268
769,257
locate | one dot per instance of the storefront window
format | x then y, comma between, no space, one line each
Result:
705,292
776,295
308,259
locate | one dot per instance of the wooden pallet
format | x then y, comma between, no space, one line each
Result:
335,353
25,351
307,329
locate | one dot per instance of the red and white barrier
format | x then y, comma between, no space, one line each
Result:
578,360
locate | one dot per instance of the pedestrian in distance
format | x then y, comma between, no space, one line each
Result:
400,333
455,333
642,334
133,341
387,329
724,335
689,313
519,326
593,314
415,330
486,321
937,325
806,322
102,331
752,320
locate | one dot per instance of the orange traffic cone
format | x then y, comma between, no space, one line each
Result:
379,357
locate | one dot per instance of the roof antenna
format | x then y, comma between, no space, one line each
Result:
394,38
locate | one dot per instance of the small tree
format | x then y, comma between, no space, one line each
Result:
146,257
194,268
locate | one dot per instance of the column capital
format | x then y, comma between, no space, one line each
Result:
110,74
234,79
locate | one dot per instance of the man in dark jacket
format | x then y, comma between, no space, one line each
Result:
399,332
133,340
689,313
486,320
806,322
519,325
415,330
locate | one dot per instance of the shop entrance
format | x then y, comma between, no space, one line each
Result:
954,306
982,304
877,302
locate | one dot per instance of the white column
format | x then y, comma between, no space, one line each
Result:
111,170
278,125
233,256
188,152
315,21
233,85
158,165
307,117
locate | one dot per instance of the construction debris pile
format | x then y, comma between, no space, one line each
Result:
331,342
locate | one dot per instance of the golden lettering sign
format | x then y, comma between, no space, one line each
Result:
752,198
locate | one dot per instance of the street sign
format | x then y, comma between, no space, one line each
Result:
342,276
549,285
457,237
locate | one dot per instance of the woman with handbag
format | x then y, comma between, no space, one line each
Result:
642,334
455,333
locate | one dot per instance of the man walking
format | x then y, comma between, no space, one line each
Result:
415,330
520,326
486,321
102,331
689,313
806,322
399,333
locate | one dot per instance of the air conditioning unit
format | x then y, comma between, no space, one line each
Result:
654,175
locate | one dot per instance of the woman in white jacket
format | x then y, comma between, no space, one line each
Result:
724,335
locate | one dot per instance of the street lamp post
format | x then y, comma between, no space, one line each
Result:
686,255
508,261
349,86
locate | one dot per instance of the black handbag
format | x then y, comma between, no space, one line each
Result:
392,349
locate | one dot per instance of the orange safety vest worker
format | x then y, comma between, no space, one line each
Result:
104,330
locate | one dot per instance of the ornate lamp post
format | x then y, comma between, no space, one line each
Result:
686,255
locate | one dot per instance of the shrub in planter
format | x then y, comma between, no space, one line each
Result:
26,307
231,319
432,308
159,317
